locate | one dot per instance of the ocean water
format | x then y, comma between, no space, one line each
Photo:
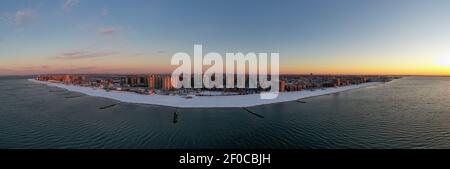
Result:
412,112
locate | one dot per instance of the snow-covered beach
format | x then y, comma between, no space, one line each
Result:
202,101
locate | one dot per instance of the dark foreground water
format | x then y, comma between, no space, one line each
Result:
412,112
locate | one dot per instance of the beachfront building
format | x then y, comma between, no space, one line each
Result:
167,85
157,82
152,84
282,85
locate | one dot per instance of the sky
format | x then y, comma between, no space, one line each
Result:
401,37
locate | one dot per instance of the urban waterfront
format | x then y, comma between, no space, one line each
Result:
411,112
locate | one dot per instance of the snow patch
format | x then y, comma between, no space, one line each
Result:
203,101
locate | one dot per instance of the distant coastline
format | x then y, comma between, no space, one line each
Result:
203,101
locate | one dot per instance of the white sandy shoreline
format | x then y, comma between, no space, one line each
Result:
202,101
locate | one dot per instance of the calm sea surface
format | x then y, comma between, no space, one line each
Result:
412,112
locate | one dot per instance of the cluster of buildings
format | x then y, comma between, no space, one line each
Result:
162,84
299,83
152,82
66,79
143,84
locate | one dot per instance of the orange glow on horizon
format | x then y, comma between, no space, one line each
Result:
439,66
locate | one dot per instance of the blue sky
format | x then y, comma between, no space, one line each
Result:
139,36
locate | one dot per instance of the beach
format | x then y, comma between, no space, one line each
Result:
203,101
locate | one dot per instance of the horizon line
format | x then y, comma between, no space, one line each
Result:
285,74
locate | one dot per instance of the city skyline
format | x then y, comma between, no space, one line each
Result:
346,37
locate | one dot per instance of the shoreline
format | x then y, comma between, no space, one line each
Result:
233,101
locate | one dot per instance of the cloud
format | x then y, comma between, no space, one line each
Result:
69,4
104,12
87,69
137,54
6,18
20,18
108,30
23,17
35,68
81,55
